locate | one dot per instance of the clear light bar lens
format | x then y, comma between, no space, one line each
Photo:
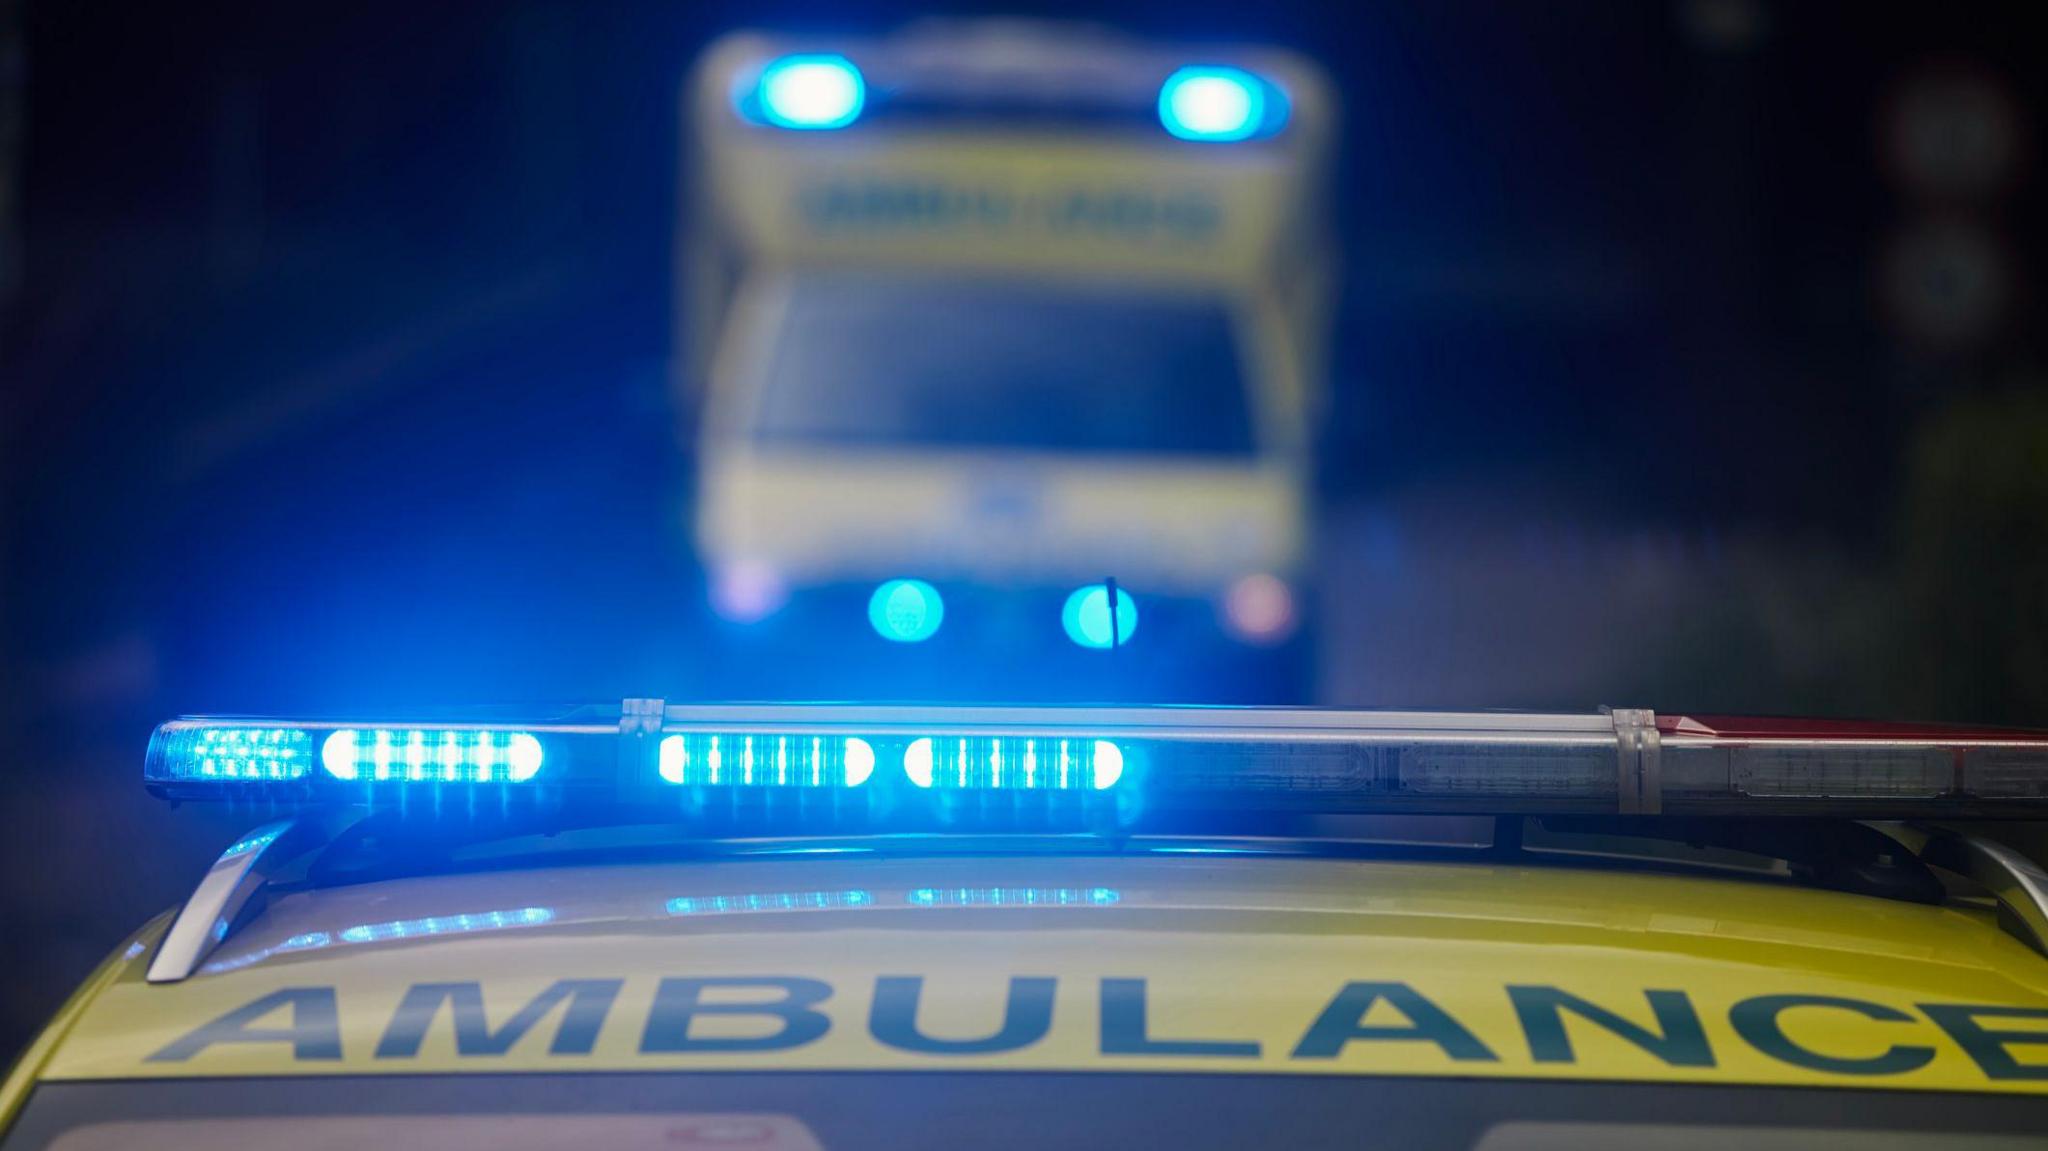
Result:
420,755
813,92
232,753
701,760
1847,771
1013,763
1538,771
2007,773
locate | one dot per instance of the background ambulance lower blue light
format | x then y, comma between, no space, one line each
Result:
811,92
906,610
1086,616
431,756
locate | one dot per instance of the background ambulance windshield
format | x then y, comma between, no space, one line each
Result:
975,363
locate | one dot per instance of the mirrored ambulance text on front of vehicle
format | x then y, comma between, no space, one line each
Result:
976,317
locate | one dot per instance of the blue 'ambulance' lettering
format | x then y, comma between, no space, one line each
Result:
1343,1022
589,1001
1986,1046
1679,1040
1758,1022
782,1013
1027,1017
792,1007
314,1031
1125,1032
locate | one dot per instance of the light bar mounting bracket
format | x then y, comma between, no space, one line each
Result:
1641,781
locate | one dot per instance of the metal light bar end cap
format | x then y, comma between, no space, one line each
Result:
1639,747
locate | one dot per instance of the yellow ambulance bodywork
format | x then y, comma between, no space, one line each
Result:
1227,964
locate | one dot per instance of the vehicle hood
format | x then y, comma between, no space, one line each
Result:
1212,963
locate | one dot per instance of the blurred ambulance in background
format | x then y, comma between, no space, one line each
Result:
979,316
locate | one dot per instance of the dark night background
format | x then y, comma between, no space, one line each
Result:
337,348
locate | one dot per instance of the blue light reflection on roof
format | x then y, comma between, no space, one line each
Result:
310,941
1013,897
396,929
768,901
447,925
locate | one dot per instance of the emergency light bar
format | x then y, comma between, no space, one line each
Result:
1125,761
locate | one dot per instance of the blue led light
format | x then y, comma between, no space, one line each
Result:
227,753
768,901
431,755
447,925
1013,897
725,760
1086,616
1219,105
1109,764
906,610
810,92
1010,763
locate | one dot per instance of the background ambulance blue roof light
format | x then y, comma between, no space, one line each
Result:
811,92
1086,616
906,610
1219,105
